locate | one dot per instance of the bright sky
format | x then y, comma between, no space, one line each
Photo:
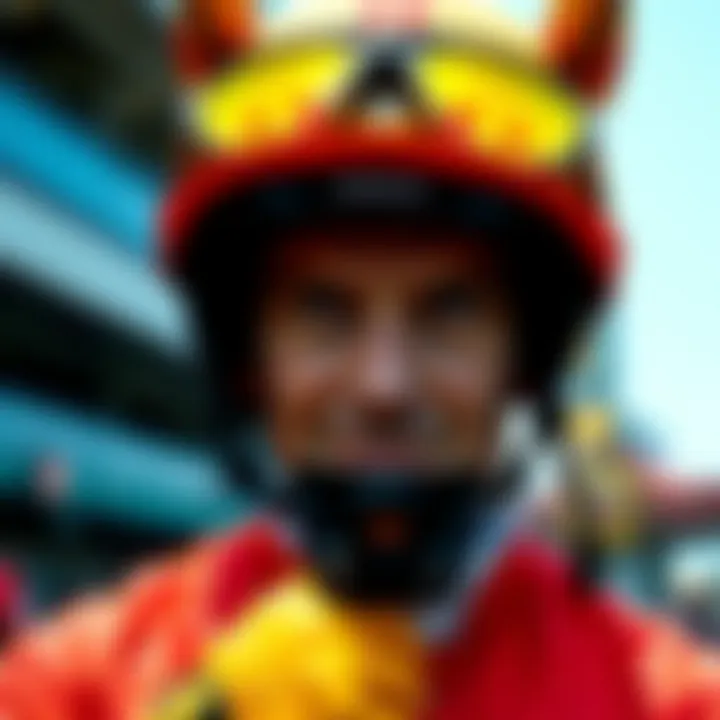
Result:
665,156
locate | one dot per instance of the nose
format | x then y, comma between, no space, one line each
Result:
385,376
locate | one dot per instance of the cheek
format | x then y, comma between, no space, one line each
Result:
466,396
469,389
297,385
476,375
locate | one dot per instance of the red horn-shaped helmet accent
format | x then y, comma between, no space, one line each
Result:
207,33
584,43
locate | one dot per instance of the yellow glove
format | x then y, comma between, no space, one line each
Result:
300,656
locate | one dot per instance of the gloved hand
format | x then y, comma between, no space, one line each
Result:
299,655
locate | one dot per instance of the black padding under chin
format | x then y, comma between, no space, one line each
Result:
224,266
392,537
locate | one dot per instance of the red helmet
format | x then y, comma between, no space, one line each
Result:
432,122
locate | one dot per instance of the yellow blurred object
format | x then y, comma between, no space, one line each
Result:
268,97
300,656
605,502
504,111
590,426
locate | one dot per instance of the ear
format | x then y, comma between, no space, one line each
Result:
584,41
208,33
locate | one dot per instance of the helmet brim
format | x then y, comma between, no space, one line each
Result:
567,251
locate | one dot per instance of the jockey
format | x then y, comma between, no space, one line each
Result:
391,238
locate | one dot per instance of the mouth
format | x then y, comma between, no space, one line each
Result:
391,456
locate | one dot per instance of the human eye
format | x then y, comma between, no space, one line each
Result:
324,309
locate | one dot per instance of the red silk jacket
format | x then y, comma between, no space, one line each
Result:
534,646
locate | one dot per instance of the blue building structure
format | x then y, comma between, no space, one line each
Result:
96,359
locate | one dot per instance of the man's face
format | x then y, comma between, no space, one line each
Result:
391,351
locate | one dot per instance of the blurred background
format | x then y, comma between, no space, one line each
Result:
104,454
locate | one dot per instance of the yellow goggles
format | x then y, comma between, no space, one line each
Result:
504,110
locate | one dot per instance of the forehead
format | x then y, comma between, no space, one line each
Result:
376,256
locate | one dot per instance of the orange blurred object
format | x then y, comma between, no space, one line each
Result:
584,43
